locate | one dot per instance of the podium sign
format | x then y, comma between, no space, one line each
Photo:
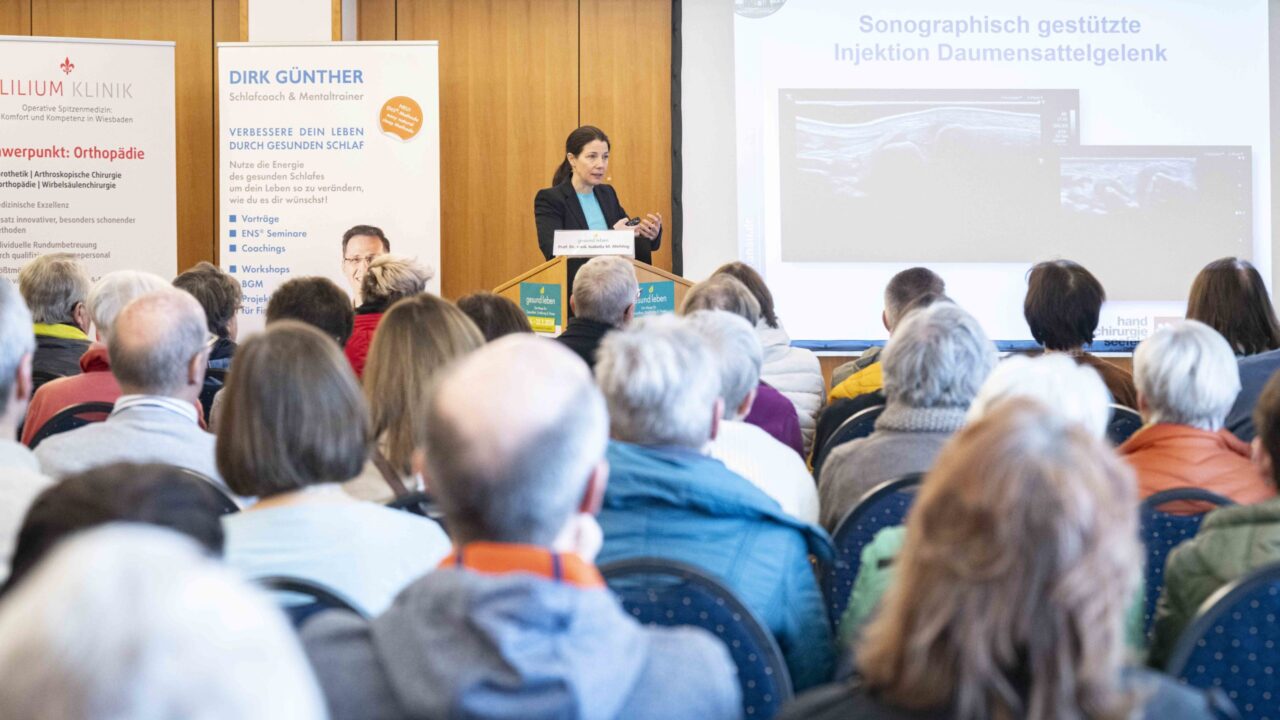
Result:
590,243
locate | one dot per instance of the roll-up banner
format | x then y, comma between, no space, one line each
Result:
314,140
87,161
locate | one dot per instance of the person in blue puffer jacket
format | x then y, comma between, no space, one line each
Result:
666,498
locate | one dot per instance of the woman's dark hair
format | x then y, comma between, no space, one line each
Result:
494,315
217,292
748,276
151,494
1266,419
1229,296
573,145
1062,304
316,301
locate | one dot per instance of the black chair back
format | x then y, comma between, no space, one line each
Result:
860,425
70,418
1124,423
656,591
1162,532
418,503
1233,644
226,503
40,377
214,380
883,506
315,597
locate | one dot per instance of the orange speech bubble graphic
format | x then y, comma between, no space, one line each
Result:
401,116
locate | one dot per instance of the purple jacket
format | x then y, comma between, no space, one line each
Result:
776,415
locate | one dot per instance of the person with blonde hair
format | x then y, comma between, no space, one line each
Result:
417,339
388,279
298,428
1021,559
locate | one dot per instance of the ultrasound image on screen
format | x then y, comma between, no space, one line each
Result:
1145,219
919,175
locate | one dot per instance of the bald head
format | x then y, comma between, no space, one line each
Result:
513,433
156,345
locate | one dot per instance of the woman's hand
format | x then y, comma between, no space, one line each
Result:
650,225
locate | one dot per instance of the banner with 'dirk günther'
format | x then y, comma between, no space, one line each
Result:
316,139
87,161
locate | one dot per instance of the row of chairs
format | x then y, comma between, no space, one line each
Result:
1124,423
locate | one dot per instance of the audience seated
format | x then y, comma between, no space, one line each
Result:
667,498
54,287
1021,558
1061,307
743,448
494,315
934,364
220,296
1187,380
160,495
20,476
1231,542
419,336
301,427
863,375
771,411
792,371
604,298
314,300
157,349
1076,394
94,383
517,623
131,622
388,279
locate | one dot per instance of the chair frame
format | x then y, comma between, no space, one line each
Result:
318,592
1152,505
94,406
417,503
1116,406
832,443
228,503
884,489
1187,494
1222,601
631,567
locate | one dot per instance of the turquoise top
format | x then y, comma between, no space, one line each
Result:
591,208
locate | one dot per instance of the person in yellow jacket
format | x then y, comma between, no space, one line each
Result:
863,375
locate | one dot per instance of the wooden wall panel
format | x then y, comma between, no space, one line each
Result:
625,90
15,17
190,24
376,19
508,98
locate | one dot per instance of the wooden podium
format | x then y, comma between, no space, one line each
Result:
543,292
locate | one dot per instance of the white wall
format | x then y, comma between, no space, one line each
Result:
290,20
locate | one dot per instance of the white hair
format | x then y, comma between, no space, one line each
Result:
16,339
115,290
659,382
737,351
937,357
604,288
52,285
1186,374
1074,392
133,622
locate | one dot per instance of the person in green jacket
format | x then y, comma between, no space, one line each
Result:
1232,540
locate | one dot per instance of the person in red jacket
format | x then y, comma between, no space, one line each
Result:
1187,380
389,278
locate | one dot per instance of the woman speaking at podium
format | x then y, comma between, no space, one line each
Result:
579,199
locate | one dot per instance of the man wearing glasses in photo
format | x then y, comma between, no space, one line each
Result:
360,245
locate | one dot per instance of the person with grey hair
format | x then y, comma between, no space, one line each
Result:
158,347
54,287
20,477
667,497
517,622
1187,380
745,448
604,298
130,621
933,365
95,383
388,279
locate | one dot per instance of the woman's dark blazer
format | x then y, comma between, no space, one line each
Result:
557,208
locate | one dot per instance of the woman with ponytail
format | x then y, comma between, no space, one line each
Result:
579,199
